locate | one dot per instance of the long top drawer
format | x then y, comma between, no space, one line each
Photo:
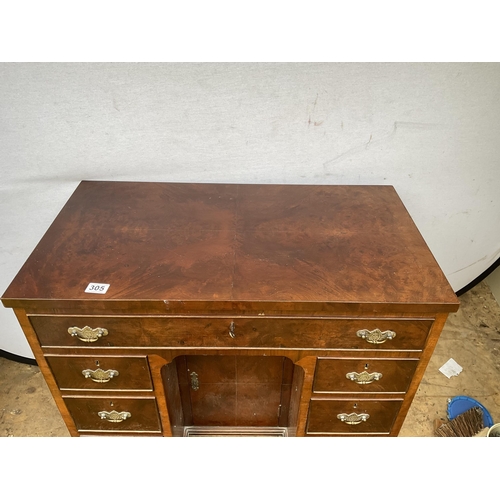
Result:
238,332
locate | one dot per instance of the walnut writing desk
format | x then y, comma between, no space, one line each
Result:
208,309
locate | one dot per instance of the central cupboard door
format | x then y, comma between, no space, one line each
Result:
235,390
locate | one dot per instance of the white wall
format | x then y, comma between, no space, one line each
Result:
431,130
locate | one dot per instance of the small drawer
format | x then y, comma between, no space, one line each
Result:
114,415
278,332
101,373
338,375
328,417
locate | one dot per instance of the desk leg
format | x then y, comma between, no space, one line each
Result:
155,365
46,371
308,364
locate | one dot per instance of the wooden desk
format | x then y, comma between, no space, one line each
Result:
232,309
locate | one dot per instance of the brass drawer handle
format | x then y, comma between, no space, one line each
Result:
114,416
363,377
100,376
87,334
353,418
376,336
231,330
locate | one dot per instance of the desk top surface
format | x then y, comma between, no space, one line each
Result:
238,243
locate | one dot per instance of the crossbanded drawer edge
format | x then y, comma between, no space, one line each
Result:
127,382
255,332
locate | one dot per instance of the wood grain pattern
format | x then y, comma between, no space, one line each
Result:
161,387
45,370
323,416
243,391
396,375
436,329
216,242
85,412
133,373
176,332
259,289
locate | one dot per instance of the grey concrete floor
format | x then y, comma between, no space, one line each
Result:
471,337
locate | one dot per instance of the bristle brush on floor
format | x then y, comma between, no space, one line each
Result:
467,424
